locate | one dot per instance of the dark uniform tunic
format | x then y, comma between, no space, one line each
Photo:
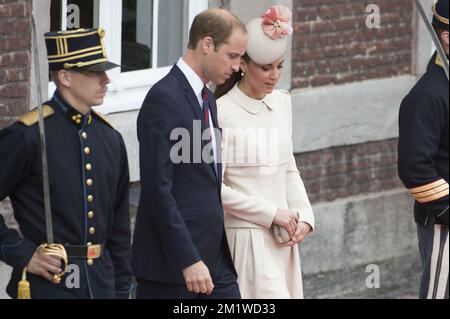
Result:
423,145
423,168
89,184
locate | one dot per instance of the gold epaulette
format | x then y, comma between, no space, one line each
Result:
438,61
103,118
32,117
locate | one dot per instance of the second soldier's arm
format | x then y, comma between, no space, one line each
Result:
422,123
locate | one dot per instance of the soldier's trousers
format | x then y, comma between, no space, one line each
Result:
433,246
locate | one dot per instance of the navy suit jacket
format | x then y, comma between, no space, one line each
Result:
180,216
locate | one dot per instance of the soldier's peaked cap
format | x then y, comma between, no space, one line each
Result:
440,14
81,49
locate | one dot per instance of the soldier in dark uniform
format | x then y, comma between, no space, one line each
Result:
88,176
424,162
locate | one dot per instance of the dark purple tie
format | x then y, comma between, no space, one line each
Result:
206,111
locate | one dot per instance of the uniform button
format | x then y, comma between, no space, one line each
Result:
87,150
91,214
90,198
89,167
84,135
90,262
78,121
74,118
92,230
89,182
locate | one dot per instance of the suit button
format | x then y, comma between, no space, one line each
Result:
90,262
89,182
84,135
89,167
90,198
92,230
87,150
91,214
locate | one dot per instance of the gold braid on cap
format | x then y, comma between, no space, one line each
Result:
440,18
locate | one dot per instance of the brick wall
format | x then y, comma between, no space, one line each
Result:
349,170
332,44
15,44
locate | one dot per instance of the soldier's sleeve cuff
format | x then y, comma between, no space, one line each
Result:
431,192
18,255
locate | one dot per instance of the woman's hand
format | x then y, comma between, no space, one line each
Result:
286,219
302,231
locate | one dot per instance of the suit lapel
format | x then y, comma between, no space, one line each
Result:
190,95
193,101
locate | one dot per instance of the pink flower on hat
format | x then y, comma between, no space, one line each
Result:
276,22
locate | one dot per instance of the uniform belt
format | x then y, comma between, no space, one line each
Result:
84,252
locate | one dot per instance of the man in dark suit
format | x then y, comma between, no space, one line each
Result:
179,248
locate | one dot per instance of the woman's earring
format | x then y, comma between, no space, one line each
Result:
243,73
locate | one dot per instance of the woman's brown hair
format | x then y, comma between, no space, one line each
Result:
223,89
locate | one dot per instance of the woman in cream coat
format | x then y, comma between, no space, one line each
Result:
262,185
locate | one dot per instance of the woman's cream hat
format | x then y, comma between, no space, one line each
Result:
268,35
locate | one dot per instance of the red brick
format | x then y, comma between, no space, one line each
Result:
327,11
323,26
4,10
6,26
17,43
17,10
5,59
321,80
337,169
17,107
15,75
303,69
23,26
14,91
339,33
300,83
349,170
21,58
4,122
3,77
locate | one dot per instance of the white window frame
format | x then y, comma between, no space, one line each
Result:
127,90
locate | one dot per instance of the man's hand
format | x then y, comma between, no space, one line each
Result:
44,266
198,279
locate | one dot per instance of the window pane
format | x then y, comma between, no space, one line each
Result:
172,31
137,33
79,14
137,21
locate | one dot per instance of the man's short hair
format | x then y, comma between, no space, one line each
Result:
54,77
218,24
